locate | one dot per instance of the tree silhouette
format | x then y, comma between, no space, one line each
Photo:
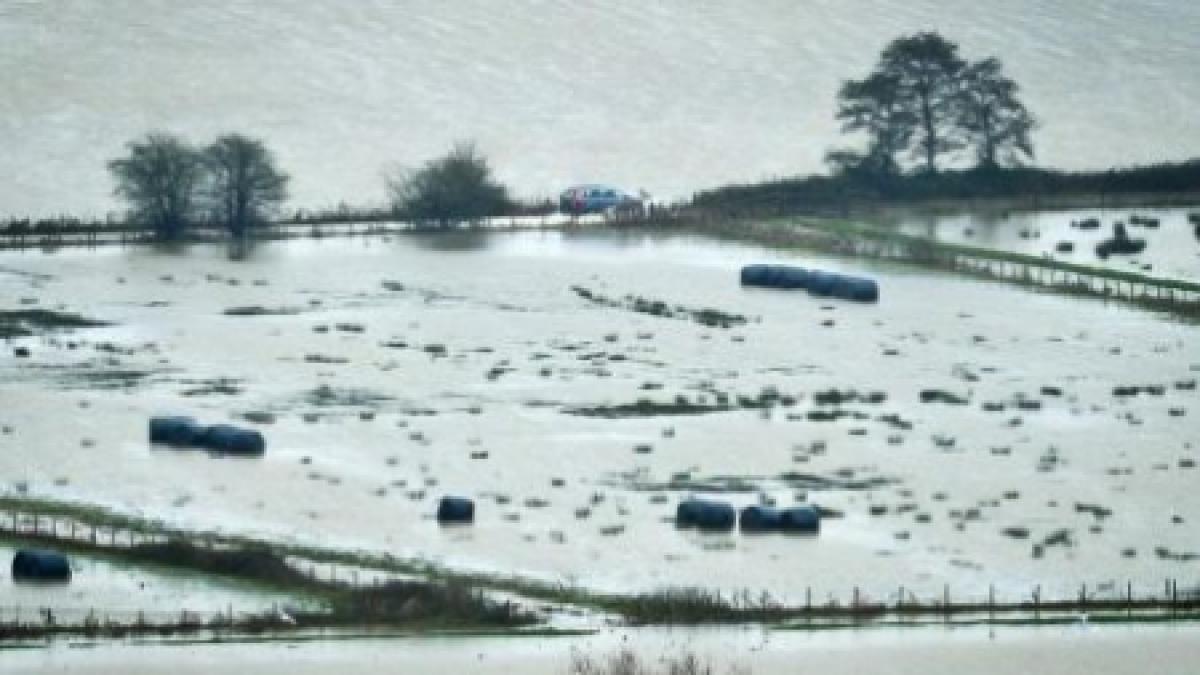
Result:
874,106
243,182
928,72
991,117
924,99
159,180
456,187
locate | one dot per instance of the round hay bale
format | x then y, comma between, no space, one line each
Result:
40,565
233,440
175,430
759,519
456,510
805,519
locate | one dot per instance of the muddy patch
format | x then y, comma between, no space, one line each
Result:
27,322
706,316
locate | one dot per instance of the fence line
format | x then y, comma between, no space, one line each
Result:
863,241
904,603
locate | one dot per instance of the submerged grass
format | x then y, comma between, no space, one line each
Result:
26,322
446,598
856,239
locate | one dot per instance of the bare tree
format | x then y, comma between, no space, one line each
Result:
244,184
158,180
455,187
991,117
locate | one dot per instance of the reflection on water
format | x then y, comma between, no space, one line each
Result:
1172,248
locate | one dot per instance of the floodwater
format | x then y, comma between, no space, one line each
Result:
403,369
1172,249
114,589
670,97
1073,650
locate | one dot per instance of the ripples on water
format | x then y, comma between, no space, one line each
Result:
480,346
670,96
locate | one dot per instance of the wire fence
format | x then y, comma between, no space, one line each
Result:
1130,599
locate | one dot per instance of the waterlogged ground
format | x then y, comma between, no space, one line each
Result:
1172,248
1071,650
983,434
111,589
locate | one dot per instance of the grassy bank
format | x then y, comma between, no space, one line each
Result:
1017,188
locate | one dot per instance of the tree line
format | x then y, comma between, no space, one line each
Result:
923,113
169,185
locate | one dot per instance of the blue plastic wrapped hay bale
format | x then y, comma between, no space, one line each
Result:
38,565
705,515
822,284
774,276
456,510
175,430
855,288
755,275
791,277
803,519
685,513
233,440
759,519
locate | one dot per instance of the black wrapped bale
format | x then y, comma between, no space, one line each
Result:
804,519
685,513
855,288
705,515
233,440
456,510
759,519
822,284
774,276
177,431
36,565
755,275
790,277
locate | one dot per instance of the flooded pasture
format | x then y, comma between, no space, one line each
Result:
111,589
964,433
1070,650
1172,248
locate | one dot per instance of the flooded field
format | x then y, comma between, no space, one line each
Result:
119,591
1074,650
1172,245
977,434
